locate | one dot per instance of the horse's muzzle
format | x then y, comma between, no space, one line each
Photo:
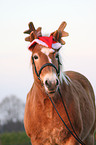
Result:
51,83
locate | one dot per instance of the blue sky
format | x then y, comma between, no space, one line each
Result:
79,53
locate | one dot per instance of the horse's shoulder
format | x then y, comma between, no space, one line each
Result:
75,76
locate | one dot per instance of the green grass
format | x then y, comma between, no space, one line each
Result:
15,138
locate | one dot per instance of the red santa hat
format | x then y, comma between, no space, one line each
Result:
46,41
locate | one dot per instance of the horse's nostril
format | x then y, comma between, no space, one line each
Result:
46,83
51,84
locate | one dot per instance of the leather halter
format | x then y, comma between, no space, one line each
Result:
45,65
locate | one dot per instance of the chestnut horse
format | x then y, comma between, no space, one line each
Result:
60,107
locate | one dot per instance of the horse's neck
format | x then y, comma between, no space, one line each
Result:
38,92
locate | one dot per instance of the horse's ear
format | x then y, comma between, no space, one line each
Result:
34,34
58,34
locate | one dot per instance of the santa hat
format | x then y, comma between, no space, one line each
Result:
45,41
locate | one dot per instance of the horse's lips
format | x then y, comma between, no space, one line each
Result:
52,92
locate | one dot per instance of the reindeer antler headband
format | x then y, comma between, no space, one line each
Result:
54,41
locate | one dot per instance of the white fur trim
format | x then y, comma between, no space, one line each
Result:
56,45
39,42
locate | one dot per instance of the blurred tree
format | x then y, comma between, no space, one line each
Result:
11,114
11,126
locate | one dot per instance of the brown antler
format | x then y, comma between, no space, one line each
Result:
33,32
58,34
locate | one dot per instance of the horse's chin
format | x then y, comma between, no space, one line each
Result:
51,93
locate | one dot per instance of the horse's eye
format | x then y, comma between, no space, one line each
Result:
35,57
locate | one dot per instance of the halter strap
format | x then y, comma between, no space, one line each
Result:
45,65
49,64
73,133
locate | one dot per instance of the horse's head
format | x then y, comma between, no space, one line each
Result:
45,56
46,67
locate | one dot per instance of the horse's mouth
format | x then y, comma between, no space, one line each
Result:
51,92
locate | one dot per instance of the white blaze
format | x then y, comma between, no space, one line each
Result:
47,51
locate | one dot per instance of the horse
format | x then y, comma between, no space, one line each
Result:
60,106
